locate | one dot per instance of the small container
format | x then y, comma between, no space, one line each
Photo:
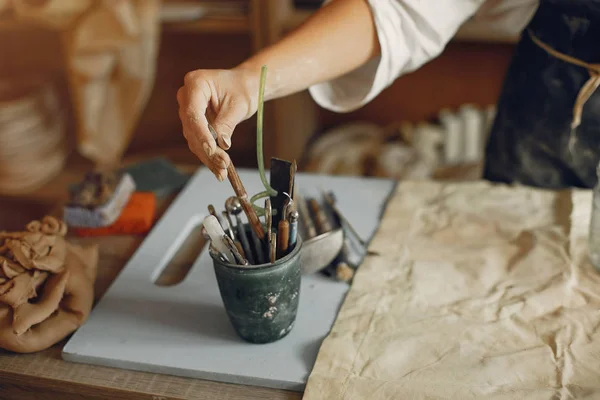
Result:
594,233
261,301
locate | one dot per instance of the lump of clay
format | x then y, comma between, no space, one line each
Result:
46,286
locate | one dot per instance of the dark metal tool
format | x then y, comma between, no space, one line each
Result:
258,248
233,207
293,220
280,181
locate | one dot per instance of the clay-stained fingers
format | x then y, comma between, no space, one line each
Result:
193,101
230,114
217,163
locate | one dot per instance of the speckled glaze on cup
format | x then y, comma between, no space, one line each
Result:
261,300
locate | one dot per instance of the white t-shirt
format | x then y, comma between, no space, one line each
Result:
411,33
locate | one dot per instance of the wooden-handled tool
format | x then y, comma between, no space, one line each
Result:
307,222
321,219
240,192
283,237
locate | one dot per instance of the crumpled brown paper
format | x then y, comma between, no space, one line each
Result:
111,49
46,286
480,292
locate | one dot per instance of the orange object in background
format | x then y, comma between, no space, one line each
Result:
137,217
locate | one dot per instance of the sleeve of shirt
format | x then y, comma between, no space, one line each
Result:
410,33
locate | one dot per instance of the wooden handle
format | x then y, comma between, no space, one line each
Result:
240,192
323,224
283,237
273,247
238,245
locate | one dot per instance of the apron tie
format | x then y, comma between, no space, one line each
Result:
588,88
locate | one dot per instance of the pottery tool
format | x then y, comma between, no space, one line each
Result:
224,220
305,217
239,259
293,220
283,237
258,249
233,207
240,249
212,211
281,171
293,169
273,247
321,220
268,218
136,218
242,195
188,320
215,231
216,254
330,199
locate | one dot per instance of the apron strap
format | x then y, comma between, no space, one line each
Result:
588,88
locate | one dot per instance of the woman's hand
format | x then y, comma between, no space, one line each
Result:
223,98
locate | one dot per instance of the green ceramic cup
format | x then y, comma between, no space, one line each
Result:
261,300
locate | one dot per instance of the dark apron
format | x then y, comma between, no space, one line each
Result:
531,141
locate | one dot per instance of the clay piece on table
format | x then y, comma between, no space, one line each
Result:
99,199
46,285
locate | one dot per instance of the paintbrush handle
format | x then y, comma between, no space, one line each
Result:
283,236
240,192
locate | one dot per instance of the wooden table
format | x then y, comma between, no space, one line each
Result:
45,375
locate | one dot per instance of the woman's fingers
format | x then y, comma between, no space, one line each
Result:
230,114
217,163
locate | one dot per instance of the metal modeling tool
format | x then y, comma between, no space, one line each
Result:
233,207
273,247
214,253
293,170
330,199
215,231
321,220
239,259
258,249
305,217
293,220
240,191
224,220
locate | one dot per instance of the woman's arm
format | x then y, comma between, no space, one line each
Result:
338,38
